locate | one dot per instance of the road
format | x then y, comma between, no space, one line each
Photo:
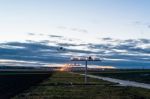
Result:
121,82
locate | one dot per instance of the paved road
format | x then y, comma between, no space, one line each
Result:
122,82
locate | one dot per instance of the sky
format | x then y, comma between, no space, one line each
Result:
103,18
86,24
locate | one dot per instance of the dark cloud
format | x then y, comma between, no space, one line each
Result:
66,44
123,53
145,41
31,52
56,36
106,39
41,42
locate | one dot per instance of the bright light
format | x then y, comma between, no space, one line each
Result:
65,67
105,67
86,58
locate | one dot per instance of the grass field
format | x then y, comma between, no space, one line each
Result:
64,85
133,75
14,82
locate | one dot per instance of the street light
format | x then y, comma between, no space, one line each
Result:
86,59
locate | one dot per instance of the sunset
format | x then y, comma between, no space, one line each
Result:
74,49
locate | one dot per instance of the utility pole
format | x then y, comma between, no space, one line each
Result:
86,59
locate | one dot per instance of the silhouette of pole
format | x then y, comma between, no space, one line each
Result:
85,71
86,63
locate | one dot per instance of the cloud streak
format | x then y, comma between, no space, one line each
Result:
81,30
121,53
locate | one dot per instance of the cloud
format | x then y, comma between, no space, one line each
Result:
107,39
62,27
73,29
67,44
79,30
121,53
56,36
125,51
30,52
145,41
139,23
31,33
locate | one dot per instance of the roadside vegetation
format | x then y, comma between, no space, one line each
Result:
64,85
142,75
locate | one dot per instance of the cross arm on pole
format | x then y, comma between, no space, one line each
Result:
86,59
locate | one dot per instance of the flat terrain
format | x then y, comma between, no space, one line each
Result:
64,85
14,82
142,76
121,82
